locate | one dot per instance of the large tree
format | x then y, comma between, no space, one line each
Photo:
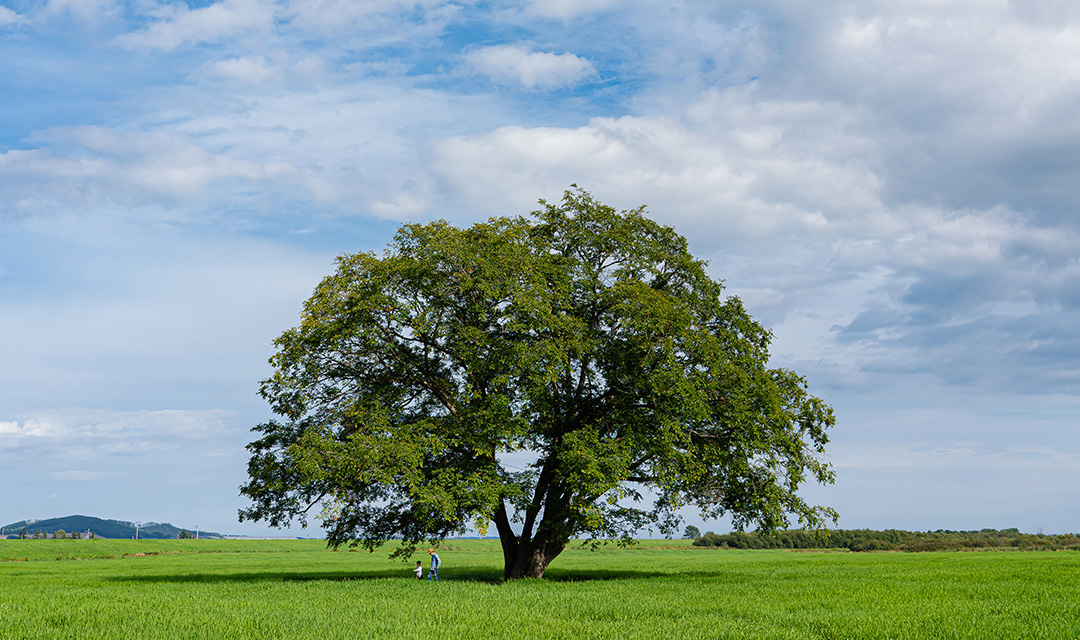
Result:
572,373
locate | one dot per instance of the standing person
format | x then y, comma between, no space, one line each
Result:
419,571
435,564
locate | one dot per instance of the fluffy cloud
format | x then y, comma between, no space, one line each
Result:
251,70
263,21
730,163
95,164
565,9
8,17
91,11
86,433
380,21
967,101
180,25
518,64
974,298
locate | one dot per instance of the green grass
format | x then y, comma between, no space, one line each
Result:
663,589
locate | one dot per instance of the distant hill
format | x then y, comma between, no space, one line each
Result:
101,528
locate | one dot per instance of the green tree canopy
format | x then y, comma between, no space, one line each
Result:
585,340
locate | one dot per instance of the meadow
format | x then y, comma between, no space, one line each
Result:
297,589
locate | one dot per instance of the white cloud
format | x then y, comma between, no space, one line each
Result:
252,70
16,429
177,26
1046,13
729,163
380,20
518,64
84,10
89,433
404,205
79,476
8,17
566,9
96,164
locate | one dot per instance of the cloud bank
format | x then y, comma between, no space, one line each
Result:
892,187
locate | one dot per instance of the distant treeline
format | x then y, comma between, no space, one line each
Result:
890,540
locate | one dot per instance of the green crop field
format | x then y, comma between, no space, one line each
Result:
89,589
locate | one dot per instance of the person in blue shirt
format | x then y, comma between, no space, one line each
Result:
435,563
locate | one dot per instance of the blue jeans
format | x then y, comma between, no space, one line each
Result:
434,572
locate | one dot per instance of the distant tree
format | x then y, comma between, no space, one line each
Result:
59,534
185,535
691,532
589,339
39,535
23,534
76,535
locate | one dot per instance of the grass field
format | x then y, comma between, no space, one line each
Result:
115,589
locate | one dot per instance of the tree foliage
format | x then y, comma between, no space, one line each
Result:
575,372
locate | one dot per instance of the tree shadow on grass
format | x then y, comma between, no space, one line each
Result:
260,576
588,575
459,574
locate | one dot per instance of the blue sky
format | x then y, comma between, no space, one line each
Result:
892,187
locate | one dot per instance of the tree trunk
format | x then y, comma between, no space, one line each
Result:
531,559
528,555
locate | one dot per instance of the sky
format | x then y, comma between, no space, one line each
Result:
893,187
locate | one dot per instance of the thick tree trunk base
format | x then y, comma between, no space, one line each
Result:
530,560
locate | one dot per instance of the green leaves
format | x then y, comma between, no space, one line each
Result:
588,337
